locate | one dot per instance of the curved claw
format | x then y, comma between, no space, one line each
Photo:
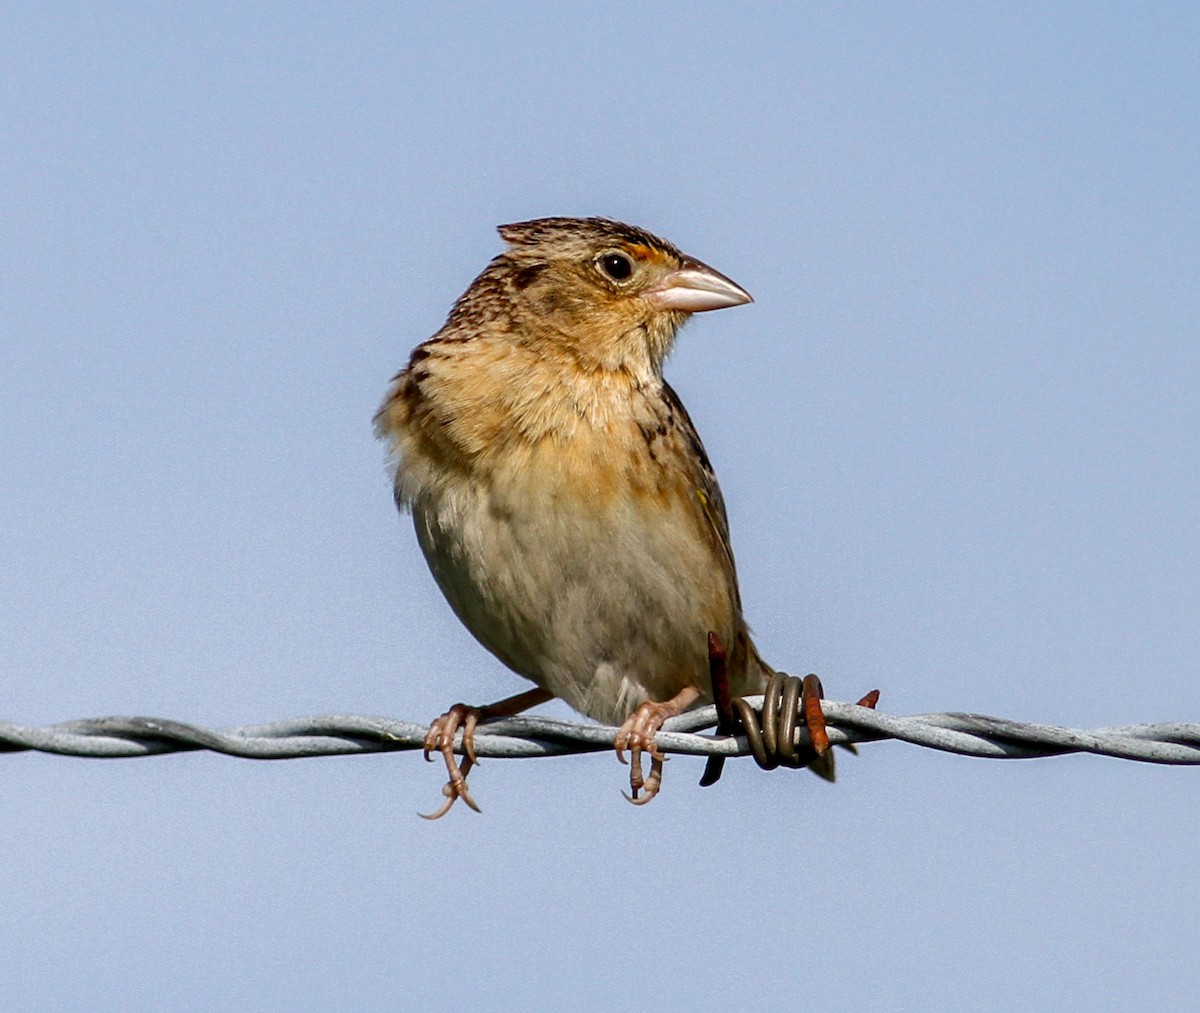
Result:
431,739
442,732
637,735
473,714
440,737
440,811
454,789
651,786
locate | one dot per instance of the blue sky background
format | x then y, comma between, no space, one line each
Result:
957,433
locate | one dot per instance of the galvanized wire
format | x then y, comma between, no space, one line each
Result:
966,734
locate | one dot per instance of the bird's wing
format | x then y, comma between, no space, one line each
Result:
704,482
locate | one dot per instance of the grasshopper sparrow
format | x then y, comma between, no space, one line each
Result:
560,493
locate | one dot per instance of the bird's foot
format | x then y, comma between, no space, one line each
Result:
440,737
443,731
637,735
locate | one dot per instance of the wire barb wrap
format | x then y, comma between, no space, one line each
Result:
519,737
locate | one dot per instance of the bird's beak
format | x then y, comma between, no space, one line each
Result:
694,287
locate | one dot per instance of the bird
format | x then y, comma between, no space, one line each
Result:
560,493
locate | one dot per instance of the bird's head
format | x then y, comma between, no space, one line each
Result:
612,294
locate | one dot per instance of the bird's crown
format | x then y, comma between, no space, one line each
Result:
568,236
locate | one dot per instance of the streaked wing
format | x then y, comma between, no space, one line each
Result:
704,481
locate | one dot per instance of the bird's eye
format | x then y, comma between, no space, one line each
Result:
617,266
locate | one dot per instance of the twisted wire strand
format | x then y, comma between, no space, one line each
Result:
512,738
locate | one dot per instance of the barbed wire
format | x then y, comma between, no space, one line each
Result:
519,737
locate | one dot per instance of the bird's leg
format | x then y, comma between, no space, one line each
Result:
637,735
443,730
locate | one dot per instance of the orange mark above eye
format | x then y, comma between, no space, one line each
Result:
639,251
